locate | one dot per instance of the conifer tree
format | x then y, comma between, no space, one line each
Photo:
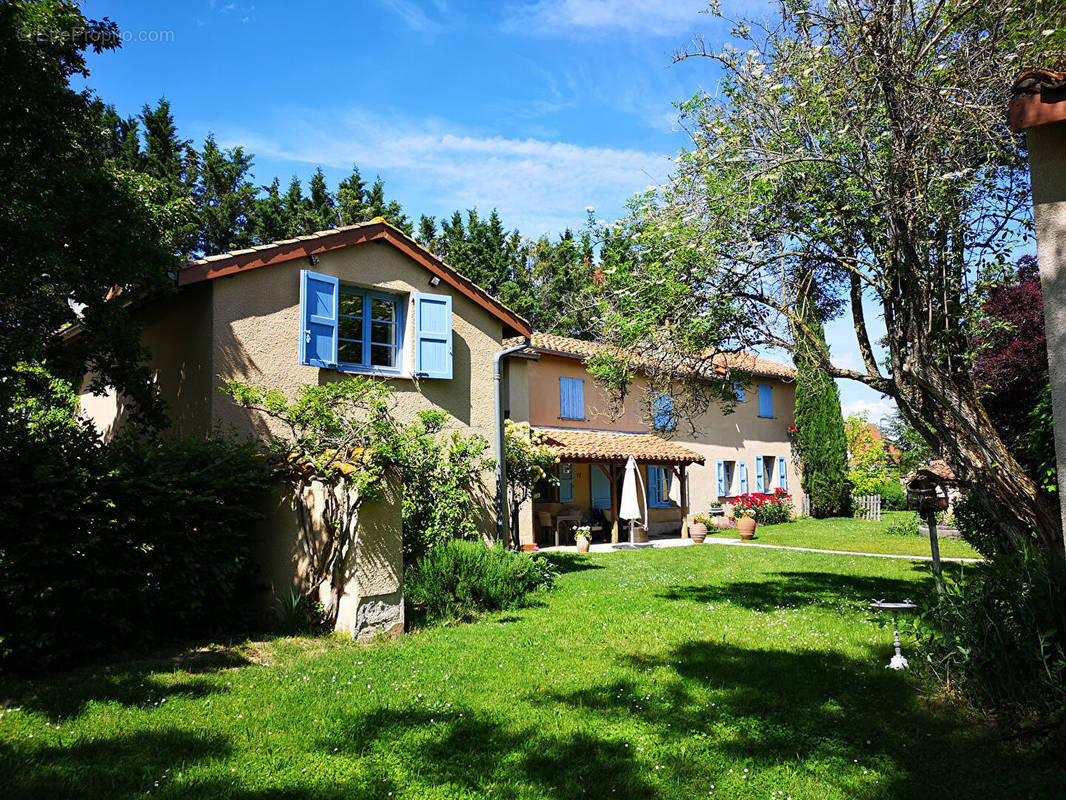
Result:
224,198
427,232
820,438
351,199
322,204
296,209
270,221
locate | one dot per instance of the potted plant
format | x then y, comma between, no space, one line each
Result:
698,529
583,537
745,523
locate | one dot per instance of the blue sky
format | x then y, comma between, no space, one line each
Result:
538,109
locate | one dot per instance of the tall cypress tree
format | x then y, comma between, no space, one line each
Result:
823,447
270,221
322,204
295,209
224,198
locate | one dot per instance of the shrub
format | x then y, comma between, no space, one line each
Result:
119,544
460,578
905,525
768,509
893,497
999,632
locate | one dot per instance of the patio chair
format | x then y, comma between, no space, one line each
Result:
547,526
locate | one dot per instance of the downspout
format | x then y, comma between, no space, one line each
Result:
501,462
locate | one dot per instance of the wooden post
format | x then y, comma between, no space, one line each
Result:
934,546
615,523
679,471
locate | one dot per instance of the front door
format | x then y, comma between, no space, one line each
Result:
601,488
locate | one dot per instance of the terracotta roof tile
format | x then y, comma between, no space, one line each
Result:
583,445
578,348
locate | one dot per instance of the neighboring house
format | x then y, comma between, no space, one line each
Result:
364,299
1038,107
730,454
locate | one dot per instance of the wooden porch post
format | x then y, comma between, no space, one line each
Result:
615,523
680,471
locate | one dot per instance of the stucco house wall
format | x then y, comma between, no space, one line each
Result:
247,326
739,436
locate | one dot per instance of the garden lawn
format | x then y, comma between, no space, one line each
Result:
673,673
857,535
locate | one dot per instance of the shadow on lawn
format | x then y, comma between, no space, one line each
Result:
456,752
810,715
132,688
797,588
569,562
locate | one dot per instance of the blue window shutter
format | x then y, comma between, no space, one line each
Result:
318,319
782,473
738,389
433,335
663,408
572,398
566,483
760,481
601,488
721,478
655,491
766,400
743,468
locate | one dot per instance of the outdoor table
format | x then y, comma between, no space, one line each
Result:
898,661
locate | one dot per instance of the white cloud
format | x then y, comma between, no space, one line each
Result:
414,15
538,185
874,409
642,17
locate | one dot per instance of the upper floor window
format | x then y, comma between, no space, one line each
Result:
572,398
359,329
663,411
766,400
369,330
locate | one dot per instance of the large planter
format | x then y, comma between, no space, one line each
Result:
583,543
746,528
698,535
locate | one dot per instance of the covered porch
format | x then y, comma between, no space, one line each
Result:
590,471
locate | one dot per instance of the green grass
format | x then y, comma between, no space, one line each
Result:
857,535
675,673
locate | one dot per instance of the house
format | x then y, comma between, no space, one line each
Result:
1038,107
363,299
683,471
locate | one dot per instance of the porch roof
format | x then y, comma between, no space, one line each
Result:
614,446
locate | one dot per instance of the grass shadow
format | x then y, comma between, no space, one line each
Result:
796,588
564,563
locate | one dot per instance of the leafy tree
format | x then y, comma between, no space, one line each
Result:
1011,367
866,139
869,467
342,439
78,227
530,461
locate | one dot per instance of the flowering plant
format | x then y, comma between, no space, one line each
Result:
583,530
765,508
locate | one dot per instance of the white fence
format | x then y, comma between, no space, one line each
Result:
866,507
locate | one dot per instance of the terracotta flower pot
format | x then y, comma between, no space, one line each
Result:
698,535
583,544
746,528
697,527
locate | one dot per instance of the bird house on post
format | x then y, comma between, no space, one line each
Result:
928,494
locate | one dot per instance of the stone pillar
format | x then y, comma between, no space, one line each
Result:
1047,161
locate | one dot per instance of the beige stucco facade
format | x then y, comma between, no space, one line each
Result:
1047,159
733,438
246,326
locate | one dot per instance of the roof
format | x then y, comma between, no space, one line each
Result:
938,470
377,230
1038,97
584,445
578,348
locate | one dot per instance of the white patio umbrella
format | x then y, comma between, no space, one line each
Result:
630,507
